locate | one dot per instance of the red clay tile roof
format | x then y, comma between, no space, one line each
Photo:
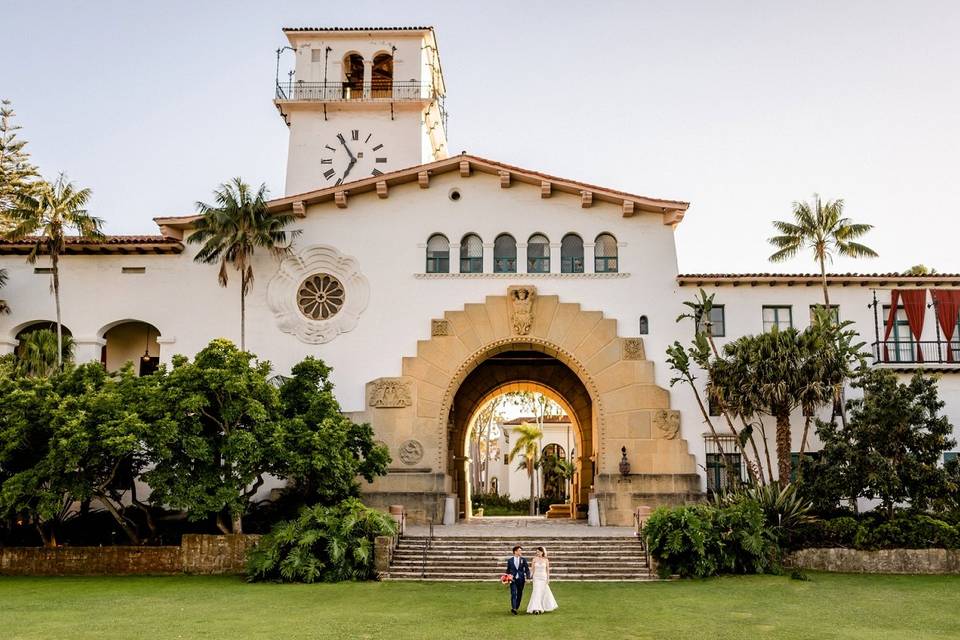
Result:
141,244
811,279
532,419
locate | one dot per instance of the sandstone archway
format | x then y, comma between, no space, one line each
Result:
416,414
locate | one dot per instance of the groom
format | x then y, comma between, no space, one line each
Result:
519,570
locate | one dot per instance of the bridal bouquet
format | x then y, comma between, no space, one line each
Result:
506,578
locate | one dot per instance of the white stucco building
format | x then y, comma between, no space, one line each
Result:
431,283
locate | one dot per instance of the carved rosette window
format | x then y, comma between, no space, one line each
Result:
320,297
318,294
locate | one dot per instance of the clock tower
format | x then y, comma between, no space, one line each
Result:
360,102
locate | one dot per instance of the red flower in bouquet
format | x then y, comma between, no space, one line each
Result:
506,578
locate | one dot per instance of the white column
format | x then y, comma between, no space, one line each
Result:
588,262
7,346
555,266
488,258
166,348
367,78
88,349
521,257
454,258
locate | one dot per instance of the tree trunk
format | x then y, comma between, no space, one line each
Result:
237,516
823,280
531,470
54,258
243,312
118,517
222,525
783,448
486,456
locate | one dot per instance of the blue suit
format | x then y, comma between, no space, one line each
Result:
520,571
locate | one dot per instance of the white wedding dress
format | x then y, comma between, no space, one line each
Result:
542,598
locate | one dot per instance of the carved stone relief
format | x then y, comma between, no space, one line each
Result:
633,349
390,393
411,452
520,300
440,328
668,422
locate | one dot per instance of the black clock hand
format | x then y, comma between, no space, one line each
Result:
353,161
344,143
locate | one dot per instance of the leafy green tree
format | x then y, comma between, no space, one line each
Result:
36,354
324,544
318,448
4,307
890,448
773,374
17,174
233,228
46,216
528,445
820,226
212,433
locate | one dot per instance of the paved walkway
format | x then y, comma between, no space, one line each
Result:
495,526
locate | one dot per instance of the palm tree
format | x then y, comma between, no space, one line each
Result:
37,353
4,307
233,229
820,226
45,216
528,444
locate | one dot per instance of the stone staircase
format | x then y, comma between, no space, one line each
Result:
476,558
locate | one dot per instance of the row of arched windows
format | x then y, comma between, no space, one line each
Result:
538,254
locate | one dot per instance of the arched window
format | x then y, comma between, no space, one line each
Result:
438,254
644,325
538,254
353,76
505,254
471,254
571,254
605,254
382,76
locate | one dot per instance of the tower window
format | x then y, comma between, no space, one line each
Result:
353,76
382,76
605,254
471,254
438,254
644,325
505,254
571,254
538,254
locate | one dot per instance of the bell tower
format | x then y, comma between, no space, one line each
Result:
360,102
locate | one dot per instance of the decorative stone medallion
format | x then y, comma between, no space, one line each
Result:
520,300
411,452
440,328
318,294
668,422
633,349
390,393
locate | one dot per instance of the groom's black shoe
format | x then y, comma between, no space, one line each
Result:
513,611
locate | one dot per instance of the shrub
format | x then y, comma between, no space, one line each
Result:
705,540
324,544
907,531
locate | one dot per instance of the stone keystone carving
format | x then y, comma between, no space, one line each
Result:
440,328
389,393
668,422
411,452
633,349
520,299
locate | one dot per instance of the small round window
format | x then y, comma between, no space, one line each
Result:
320,297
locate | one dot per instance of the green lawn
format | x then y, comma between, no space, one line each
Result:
827,606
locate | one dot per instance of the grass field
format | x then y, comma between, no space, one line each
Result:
827,606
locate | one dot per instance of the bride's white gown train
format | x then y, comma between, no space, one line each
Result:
542,598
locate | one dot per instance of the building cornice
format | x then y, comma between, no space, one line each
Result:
881,280
520,276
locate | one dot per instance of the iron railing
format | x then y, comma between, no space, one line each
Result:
914,353
298,90
426,547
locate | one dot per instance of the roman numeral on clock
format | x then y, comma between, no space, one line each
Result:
376,172
326,160
329,147
377,148
355,134
329,173
381,160
367,139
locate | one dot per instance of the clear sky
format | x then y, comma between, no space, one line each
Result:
738,107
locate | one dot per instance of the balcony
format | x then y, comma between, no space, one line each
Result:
929,354
298,91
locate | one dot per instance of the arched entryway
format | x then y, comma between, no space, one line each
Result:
604,378
131,341
522,369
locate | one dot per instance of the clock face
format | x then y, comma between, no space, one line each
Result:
354,154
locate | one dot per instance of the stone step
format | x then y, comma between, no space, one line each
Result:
494,565
470,577
500,558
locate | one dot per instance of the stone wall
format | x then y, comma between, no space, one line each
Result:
916,561
200,554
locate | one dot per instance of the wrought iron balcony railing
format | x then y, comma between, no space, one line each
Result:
354,92
913,354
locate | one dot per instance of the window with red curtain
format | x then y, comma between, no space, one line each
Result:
915,305
947,304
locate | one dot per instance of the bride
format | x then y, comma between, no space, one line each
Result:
542,598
